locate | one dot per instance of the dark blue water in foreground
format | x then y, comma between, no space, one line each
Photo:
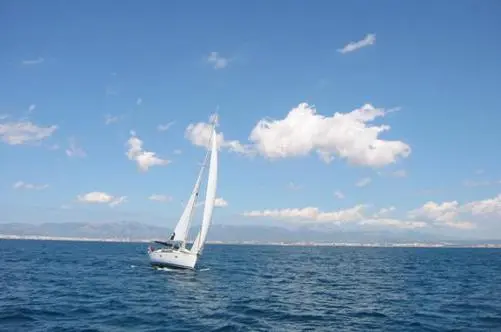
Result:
79,286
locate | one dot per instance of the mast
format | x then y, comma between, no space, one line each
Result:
210,196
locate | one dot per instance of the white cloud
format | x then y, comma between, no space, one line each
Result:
118,201
37,61
108,119
31,108
447,213
220,202
217,60
486,207
177,151
144,159
351,215
394,223
311,214
165,127
199,134
363,182
369,39
97,197
346,136
24,132
160,198
74,151
24,185
384,212
4,116
339,194
139,101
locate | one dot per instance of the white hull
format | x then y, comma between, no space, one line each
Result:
173,258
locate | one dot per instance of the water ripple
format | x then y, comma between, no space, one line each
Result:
68,286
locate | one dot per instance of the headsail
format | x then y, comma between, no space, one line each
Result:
210,197
183,225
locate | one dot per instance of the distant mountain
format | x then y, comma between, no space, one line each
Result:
110,230
135,231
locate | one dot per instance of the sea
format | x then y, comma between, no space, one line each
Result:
103,286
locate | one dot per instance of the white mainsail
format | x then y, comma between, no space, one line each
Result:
183,225
210,198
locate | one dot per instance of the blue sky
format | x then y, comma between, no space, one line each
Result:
428,69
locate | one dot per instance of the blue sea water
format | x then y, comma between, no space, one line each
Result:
95,286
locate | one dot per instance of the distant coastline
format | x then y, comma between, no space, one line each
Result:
303,244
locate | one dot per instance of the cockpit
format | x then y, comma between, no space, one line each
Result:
170,245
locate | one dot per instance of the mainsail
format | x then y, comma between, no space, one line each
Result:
210,198
182,227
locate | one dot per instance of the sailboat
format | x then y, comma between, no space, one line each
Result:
174,252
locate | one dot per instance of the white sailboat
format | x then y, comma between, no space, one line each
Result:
175,253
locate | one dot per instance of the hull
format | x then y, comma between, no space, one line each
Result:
173,258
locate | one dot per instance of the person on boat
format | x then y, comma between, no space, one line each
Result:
172,236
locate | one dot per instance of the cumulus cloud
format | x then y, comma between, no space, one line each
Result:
30,186
160,198
355,215
97,197
369,39
217,61
24,132
144,159
454,214
450,214
383,212
347,136
199,134
486,207
75,151
309,214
